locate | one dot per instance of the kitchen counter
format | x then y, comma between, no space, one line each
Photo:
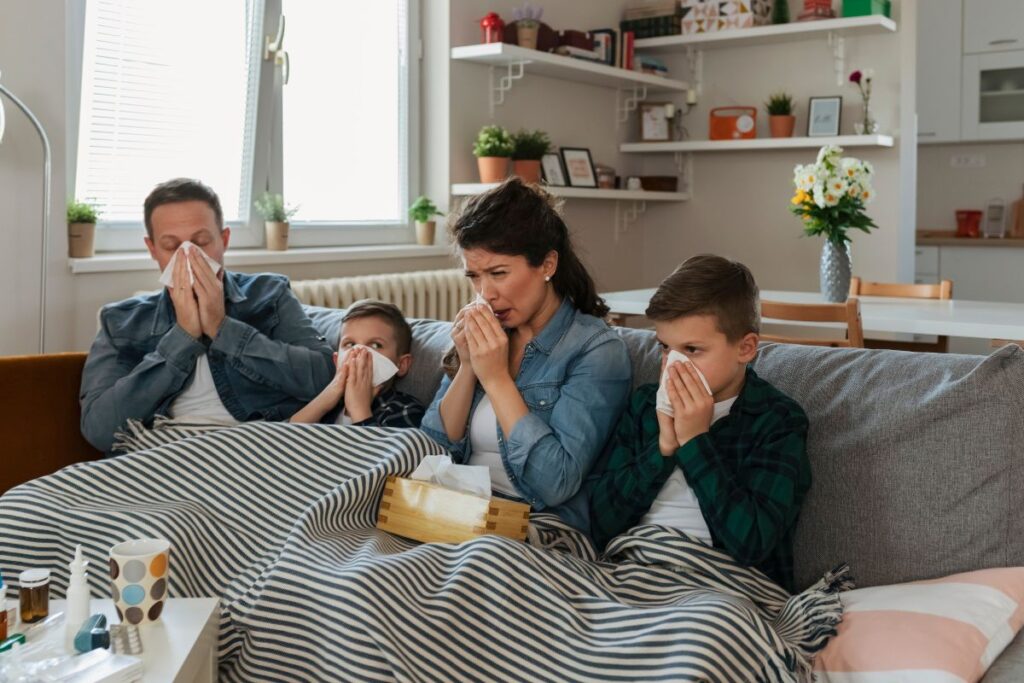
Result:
947,238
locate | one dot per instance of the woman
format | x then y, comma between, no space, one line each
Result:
536,379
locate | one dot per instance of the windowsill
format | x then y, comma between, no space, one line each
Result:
113,262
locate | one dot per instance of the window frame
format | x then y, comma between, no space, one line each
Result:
267,157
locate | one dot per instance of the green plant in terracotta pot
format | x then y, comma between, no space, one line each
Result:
492,149
780,115
276,216
422,211
82,218
528,148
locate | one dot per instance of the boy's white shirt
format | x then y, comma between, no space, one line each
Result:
663,403
167,277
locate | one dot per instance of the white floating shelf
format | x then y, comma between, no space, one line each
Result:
768,35
565,68
758,143
468,189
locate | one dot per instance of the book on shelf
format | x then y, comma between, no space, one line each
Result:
653,27
578,53
627,50
644,9
606,44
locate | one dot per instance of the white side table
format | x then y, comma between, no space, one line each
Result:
181,647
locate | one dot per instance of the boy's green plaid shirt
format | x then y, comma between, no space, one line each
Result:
750,474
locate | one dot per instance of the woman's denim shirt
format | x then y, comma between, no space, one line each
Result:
575,379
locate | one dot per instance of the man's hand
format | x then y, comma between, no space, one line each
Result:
359,391
692,405
209,288
186,308
488,346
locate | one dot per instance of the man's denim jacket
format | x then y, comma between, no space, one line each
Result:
267,360
575,378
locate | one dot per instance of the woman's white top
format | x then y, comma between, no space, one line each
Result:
676,505
200,400
483,439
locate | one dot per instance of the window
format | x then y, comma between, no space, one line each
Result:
326,119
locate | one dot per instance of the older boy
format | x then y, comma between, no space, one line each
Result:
372,332
728,466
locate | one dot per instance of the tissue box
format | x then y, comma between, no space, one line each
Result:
430,513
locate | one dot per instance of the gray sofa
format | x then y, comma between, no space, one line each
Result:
918,459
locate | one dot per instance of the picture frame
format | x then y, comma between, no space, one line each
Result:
579,167
655,125
551,167
824,115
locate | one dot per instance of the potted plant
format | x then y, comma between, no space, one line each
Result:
81,229
830,198
492,149
528,148
421,211
275,216
780,115
527,25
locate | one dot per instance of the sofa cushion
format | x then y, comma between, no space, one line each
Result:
917,460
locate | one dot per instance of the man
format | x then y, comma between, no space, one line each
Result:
226,347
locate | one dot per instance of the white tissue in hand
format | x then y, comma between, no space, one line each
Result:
439,469
479,300
383,368
167,277
664,404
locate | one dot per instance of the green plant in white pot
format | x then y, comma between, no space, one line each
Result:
492,149
528,148
82,218
276,215
422,211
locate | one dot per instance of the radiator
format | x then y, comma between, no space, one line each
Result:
435,294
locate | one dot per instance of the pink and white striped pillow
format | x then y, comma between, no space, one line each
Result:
947,630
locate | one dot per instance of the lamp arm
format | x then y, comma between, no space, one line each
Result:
45,238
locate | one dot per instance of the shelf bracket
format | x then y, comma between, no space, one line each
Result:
501,84
695,59
684,168
838,45
628,100
625,217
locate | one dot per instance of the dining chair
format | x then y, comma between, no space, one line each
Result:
848,313
943,290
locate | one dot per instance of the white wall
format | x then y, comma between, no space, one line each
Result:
943,189
32,62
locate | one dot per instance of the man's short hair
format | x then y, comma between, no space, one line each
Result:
710,285
181,190
391,314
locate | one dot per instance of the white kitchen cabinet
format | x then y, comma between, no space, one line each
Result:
982,274
992,25
993,96
939,70
926,265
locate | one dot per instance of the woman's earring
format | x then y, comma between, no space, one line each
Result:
547,278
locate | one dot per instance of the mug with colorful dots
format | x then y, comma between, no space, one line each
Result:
138,579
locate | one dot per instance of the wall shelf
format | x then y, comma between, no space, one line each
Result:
845,27
469,189
845,141
564,68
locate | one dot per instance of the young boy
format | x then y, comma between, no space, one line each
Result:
351,397
728,467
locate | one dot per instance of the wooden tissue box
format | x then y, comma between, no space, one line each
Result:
430,513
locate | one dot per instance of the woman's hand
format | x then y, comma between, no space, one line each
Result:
459,334
488,346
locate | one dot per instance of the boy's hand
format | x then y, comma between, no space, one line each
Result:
335,390
359,391
692,404
488,346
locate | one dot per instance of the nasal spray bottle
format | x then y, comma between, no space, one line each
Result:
77,610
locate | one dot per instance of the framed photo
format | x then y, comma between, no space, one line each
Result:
655,125
551,165
823,116
579,168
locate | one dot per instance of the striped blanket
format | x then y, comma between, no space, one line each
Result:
278,521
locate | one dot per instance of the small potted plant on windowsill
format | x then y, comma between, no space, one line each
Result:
492,149
528,148
82,218
275,216
421,211
780,115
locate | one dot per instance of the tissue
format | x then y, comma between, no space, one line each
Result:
439,469
383,368
664,404
167,277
